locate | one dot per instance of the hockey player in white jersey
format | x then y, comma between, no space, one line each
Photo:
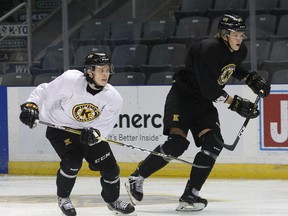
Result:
87,102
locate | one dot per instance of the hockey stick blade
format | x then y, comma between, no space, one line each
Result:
241,131
226,146
74,131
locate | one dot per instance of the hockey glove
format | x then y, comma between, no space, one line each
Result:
244,107
257,83
29,113
89,136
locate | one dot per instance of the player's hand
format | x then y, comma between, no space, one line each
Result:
29,114
89,136
244,107
257,84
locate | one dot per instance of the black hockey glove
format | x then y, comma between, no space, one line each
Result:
89,136
29,113
257,83
243,107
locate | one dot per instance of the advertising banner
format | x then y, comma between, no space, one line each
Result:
140,124
275,121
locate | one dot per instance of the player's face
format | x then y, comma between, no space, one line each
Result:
101,74
236,39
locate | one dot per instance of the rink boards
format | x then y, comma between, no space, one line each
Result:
261,152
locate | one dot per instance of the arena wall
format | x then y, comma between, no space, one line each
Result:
262,151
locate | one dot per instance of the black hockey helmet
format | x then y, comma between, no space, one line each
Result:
94,59
231,22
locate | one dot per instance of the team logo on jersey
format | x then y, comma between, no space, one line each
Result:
85,112
226,72
175,117
67,141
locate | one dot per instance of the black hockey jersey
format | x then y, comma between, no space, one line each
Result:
208,67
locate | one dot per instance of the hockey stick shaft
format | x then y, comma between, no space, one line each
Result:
74,131
242,129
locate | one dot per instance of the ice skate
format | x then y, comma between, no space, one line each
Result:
66,206
120,207
190,202
135,187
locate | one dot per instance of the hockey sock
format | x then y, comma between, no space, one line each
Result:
64,185
110,189
110,183
198,176
151,164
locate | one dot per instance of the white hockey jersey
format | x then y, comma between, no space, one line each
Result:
66,102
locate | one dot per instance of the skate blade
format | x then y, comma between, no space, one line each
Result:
185,207
63,214
132,199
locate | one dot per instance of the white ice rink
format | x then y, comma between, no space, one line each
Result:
35,196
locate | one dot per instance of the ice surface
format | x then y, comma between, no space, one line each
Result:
35,196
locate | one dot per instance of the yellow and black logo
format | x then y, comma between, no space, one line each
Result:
67,141
175,117
90,56
226,72
85,112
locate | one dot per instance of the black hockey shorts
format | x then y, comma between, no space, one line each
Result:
99,156
181,111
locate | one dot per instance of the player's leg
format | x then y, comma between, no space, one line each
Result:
175,145
66,146
66,177
210,150
101,158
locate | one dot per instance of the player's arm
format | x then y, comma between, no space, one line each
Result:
256,82
45,91
242,106
238,104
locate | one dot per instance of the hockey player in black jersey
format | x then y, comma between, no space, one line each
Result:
189,106
88,103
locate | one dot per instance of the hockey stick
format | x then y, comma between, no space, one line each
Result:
242,129
74,131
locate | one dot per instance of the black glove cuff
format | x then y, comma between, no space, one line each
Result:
235,103
251,77
98,134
